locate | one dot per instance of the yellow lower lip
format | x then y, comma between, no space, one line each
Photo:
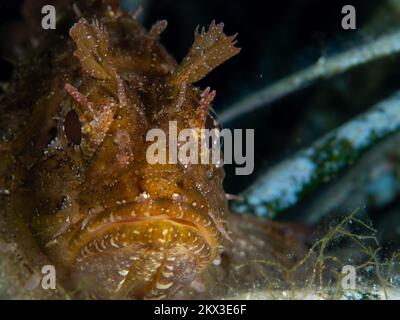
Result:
134,214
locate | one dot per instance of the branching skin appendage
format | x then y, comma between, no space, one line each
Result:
112,224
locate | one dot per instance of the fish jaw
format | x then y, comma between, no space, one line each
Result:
147,249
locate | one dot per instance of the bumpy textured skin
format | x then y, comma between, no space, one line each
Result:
76,190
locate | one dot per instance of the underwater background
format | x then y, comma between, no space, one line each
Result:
279,39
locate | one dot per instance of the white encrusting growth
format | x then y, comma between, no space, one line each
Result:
384,118
281,186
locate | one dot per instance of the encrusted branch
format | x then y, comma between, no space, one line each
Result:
283,186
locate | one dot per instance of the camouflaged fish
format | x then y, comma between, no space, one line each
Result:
76,189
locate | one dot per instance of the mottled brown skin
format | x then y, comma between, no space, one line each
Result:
80,193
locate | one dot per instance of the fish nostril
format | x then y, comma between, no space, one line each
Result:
52,134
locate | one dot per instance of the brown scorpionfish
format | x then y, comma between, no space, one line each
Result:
77,191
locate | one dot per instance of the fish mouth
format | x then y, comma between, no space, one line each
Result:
131,221
139,244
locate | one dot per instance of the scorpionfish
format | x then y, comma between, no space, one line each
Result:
77,190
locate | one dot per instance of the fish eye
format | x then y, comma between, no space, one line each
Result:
73,128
